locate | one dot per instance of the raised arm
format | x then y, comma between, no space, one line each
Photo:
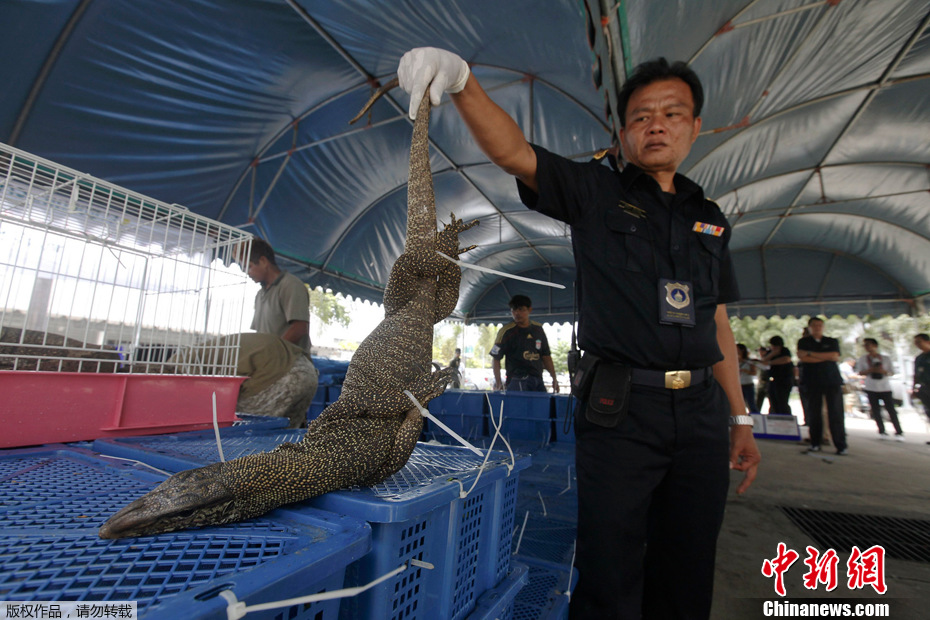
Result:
495,132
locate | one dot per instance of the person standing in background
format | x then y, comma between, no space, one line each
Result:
876,367
455,364
921,386
822,380
747,373
525,349
781,375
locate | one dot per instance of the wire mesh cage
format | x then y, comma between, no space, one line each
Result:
98,279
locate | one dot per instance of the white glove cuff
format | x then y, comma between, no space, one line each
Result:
463,78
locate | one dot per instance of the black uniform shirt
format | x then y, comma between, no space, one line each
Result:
820,374
620,257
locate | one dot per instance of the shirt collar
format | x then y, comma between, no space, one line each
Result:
633,175
273,282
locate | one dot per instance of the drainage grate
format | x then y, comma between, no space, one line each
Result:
902,539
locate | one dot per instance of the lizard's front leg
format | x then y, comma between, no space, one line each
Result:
450,278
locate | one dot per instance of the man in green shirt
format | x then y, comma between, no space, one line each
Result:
282,306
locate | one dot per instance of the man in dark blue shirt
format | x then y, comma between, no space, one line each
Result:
654,275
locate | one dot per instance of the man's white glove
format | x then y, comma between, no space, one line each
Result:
442,71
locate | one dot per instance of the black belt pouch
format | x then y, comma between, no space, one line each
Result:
584,375
609,399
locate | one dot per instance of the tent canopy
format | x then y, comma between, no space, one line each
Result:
814,142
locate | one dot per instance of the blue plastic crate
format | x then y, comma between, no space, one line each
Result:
467,402
527,415
180,451
56,497
498,603
464,411
316,408
550,538
333,392
260,421
543,597
416,513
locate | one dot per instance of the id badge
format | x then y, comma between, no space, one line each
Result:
676,305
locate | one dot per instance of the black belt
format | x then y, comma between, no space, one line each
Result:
671,379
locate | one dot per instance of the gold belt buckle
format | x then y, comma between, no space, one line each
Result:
677,379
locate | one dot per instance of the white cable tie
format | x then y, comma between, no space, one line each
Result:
421,564
426,414
119,458
216,431
236,609
569,487
571,568
541,501
497,433
499,273
522,529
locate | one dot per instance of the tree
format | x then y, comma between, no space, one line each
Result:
444,345
560,356
328,308
483,344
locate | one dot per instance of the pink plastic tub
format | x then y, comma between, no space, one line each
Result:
51,407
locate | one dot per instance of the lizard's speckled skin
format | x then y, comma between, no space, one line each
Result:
366,435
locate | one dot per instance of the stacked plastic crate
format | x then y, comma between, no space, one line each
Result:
444,515
56,497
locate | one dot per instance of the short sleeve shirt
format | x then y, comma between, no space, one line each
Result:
285,300
627,235
864,366
523,349
820,374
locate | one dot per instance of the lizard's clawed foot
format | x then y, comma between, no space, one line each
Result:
429,386
447,240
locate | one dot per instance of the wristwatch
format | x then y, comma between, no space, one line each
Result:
741,420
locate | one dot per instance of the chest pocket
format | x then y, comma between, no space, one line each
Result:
632,242
709,254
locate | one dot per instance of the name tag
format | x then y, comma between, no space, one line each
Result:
676,306
708,229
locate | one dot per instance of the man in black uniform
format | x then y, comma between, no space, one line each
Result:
654,275
525,349
821,381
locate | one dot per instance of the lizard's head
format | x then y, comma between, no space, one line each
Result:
187,499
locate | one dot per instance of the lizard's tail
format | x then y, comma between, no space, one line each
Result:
421,201
374,97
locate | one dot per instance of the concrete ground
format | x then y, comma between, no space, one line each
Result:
879,478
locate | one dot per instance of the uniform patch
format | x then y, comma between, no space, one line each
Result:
708,229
